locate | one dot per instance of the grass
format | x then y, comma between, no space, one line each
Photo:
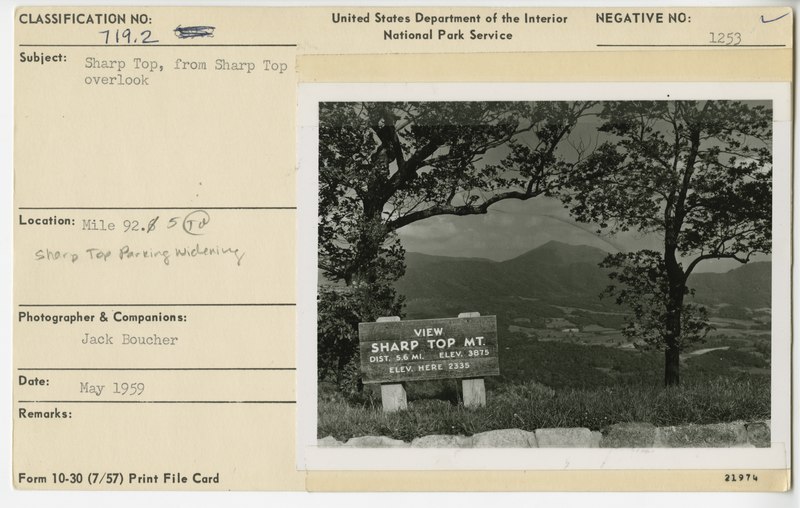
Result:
531,406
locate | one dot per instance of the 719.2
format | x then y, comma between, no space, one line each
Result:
125,36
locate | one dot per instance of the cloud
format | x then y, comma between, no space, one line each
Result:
430,229
514,227
509,229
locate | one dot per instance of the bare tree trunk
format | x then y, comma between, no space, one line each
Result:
676,291
672,363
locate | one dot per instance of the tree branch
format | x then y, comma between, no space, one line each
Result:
460,210
714,255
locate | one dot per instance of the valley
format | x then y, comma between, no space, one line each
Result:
556,329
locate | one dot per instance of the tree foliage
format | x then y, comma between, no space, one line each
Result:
386,165
339,310
699,174
642,286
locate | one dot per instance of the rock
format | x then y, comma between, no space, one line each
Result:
508,438
375,442
717,435
621,435
442,441
329,441
758,434
629,435
568,438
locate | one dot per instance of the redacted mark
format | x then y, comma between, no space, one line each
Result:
192,32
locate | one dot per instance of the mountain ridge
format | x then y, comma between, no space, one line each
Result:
558,272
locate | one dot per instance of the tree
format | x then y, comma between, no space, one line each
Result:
643,287
385,165
698,173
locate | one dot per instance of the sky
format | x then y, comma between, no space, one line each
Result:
509,229
513,227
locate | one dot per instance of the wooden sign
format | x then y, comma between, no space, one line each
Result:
414,350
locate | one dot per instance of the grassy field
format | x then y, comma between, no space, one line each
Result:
588,362
593,377
530,406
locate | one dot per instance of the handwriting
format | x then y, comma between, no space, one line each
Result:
774,19
195,221
127,252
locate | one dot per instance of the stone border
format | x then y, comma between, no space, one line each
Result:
621,435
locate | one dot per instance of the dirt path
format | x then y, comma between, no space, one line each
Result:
707,350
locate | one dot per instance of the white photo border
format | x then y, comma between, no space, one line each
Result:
312,457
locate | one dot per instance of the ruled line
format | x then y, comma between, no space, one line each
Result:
169,369
157,45
156,304
156,402
156,208
690,46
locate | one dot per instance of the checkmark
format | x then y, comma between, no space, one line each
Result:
771,20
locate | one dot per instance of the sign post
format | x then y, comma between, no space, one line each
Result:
474,392
395,351
393,395
474,389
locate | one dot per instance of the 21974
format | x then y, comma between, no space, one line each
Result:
741,477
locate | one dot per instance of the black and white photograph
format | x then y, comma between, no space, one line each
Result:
545,273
